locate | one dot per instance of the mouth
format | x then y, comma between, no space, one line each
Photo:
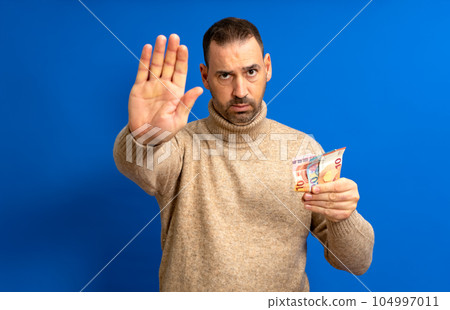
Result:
240,107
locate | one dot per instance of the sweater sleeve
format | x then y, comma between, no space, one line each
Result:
154,169
348,244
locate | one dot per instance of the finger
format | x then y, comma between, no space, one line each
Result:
181,66
187,101
158,57
332,214
171,57
341,205
144,63
340,185
333,196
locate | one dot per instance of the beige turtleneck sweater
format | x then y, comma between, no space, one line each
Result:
231,220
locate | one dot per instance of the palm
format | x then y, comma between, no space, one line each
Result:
152,103
157,97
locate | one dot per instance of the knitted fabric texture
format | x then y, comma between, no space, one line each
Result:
230,218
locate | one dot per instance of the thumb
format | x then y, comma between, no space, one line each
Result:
188,100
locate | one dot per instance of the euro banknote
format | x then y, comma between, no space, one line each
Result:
310,170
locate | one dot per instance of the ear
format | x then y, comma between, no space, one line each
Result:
268,66
204,73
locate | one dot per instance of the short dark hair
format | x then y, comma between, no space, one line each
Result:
229,30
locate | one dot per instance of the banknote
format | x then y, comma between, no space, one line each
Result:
310,170
299,167
330,166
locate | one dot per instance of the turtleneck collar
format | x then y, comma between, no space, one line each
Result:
217,124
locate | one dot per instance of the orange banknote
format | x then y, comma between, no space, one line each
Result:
310,170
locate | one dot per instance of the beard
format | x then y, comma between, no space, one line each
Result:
239,117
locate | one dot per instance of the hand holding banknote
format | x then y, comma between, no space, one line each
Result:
325,192
335,200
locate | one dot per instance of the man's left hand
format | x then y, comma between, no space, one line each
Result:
335,200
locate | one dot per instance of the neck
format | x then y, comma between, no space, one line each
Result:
217,124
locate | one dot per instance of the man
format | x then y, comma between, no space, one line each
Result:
231,220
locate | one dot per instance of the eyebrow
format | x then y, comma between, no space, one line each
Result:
253,66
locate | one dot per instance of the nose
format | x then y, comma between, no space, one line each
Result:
240,87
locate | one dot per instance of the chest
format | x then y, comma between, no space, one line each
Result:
249,191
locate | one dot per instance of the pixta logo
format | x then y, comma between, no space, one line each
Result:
142,151
145,147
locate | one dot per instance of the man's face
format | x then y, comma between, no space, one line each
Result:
237,76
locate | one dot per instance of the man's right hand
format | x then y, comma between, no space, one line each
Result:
157,97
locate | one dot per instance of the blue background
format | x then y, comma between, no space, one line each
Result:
380,88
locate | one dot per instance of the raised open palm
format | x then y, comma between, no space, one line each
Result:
157,97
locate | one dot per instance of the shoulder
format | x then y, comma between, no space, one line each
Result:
194,127
298,141
281,128
184,136
304,143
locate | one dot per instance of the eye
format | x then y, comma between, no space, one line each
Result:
224,76
252,72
